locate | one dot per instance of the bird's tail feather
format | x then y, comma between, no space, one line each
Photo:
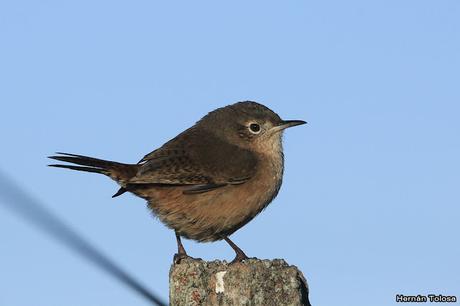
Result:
117,171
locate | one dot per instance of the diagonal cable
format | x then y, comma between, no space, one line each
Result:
20,202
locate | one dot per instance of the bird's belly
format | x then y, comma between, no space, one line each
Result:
214,214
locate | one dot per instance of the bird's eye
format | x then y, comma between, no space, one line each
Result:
254,128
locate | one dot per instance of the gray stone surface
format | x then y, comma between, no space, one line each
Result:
252,282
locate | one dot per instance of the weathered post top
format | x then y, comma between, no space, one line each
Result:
252,282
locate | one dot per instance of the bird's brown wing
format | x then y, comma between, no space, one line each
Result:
198,159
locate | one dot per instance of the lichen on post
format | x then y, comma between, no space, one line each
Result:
252,282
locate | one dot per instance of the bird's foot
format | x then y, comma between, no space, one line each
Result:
239,258
178,257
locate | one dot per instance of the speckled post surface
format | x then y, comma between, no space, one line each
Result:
252,282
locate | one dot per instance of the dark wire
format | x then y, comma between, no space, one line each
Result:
23,204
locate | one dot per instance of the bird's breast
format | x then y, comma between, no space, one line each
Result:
218,213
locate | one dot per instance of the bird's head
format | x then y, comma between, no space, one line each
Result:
249,125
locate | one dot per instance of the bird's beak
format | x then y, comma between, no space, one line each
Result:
287,124
290,123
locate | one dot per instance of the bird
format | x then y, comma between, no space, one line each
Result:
208,181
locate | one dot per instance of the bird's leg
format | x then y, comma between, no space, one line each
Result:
181,253
240,256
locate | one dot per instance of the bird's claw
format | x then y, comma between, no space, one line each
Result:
178,257
239,258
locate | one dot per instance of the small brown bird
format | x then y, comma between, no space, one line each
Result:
210,180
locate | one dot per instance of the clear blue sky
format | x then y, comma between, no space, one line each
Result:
370,203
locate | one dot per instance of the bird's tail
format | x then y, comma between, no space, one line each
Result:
119,172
